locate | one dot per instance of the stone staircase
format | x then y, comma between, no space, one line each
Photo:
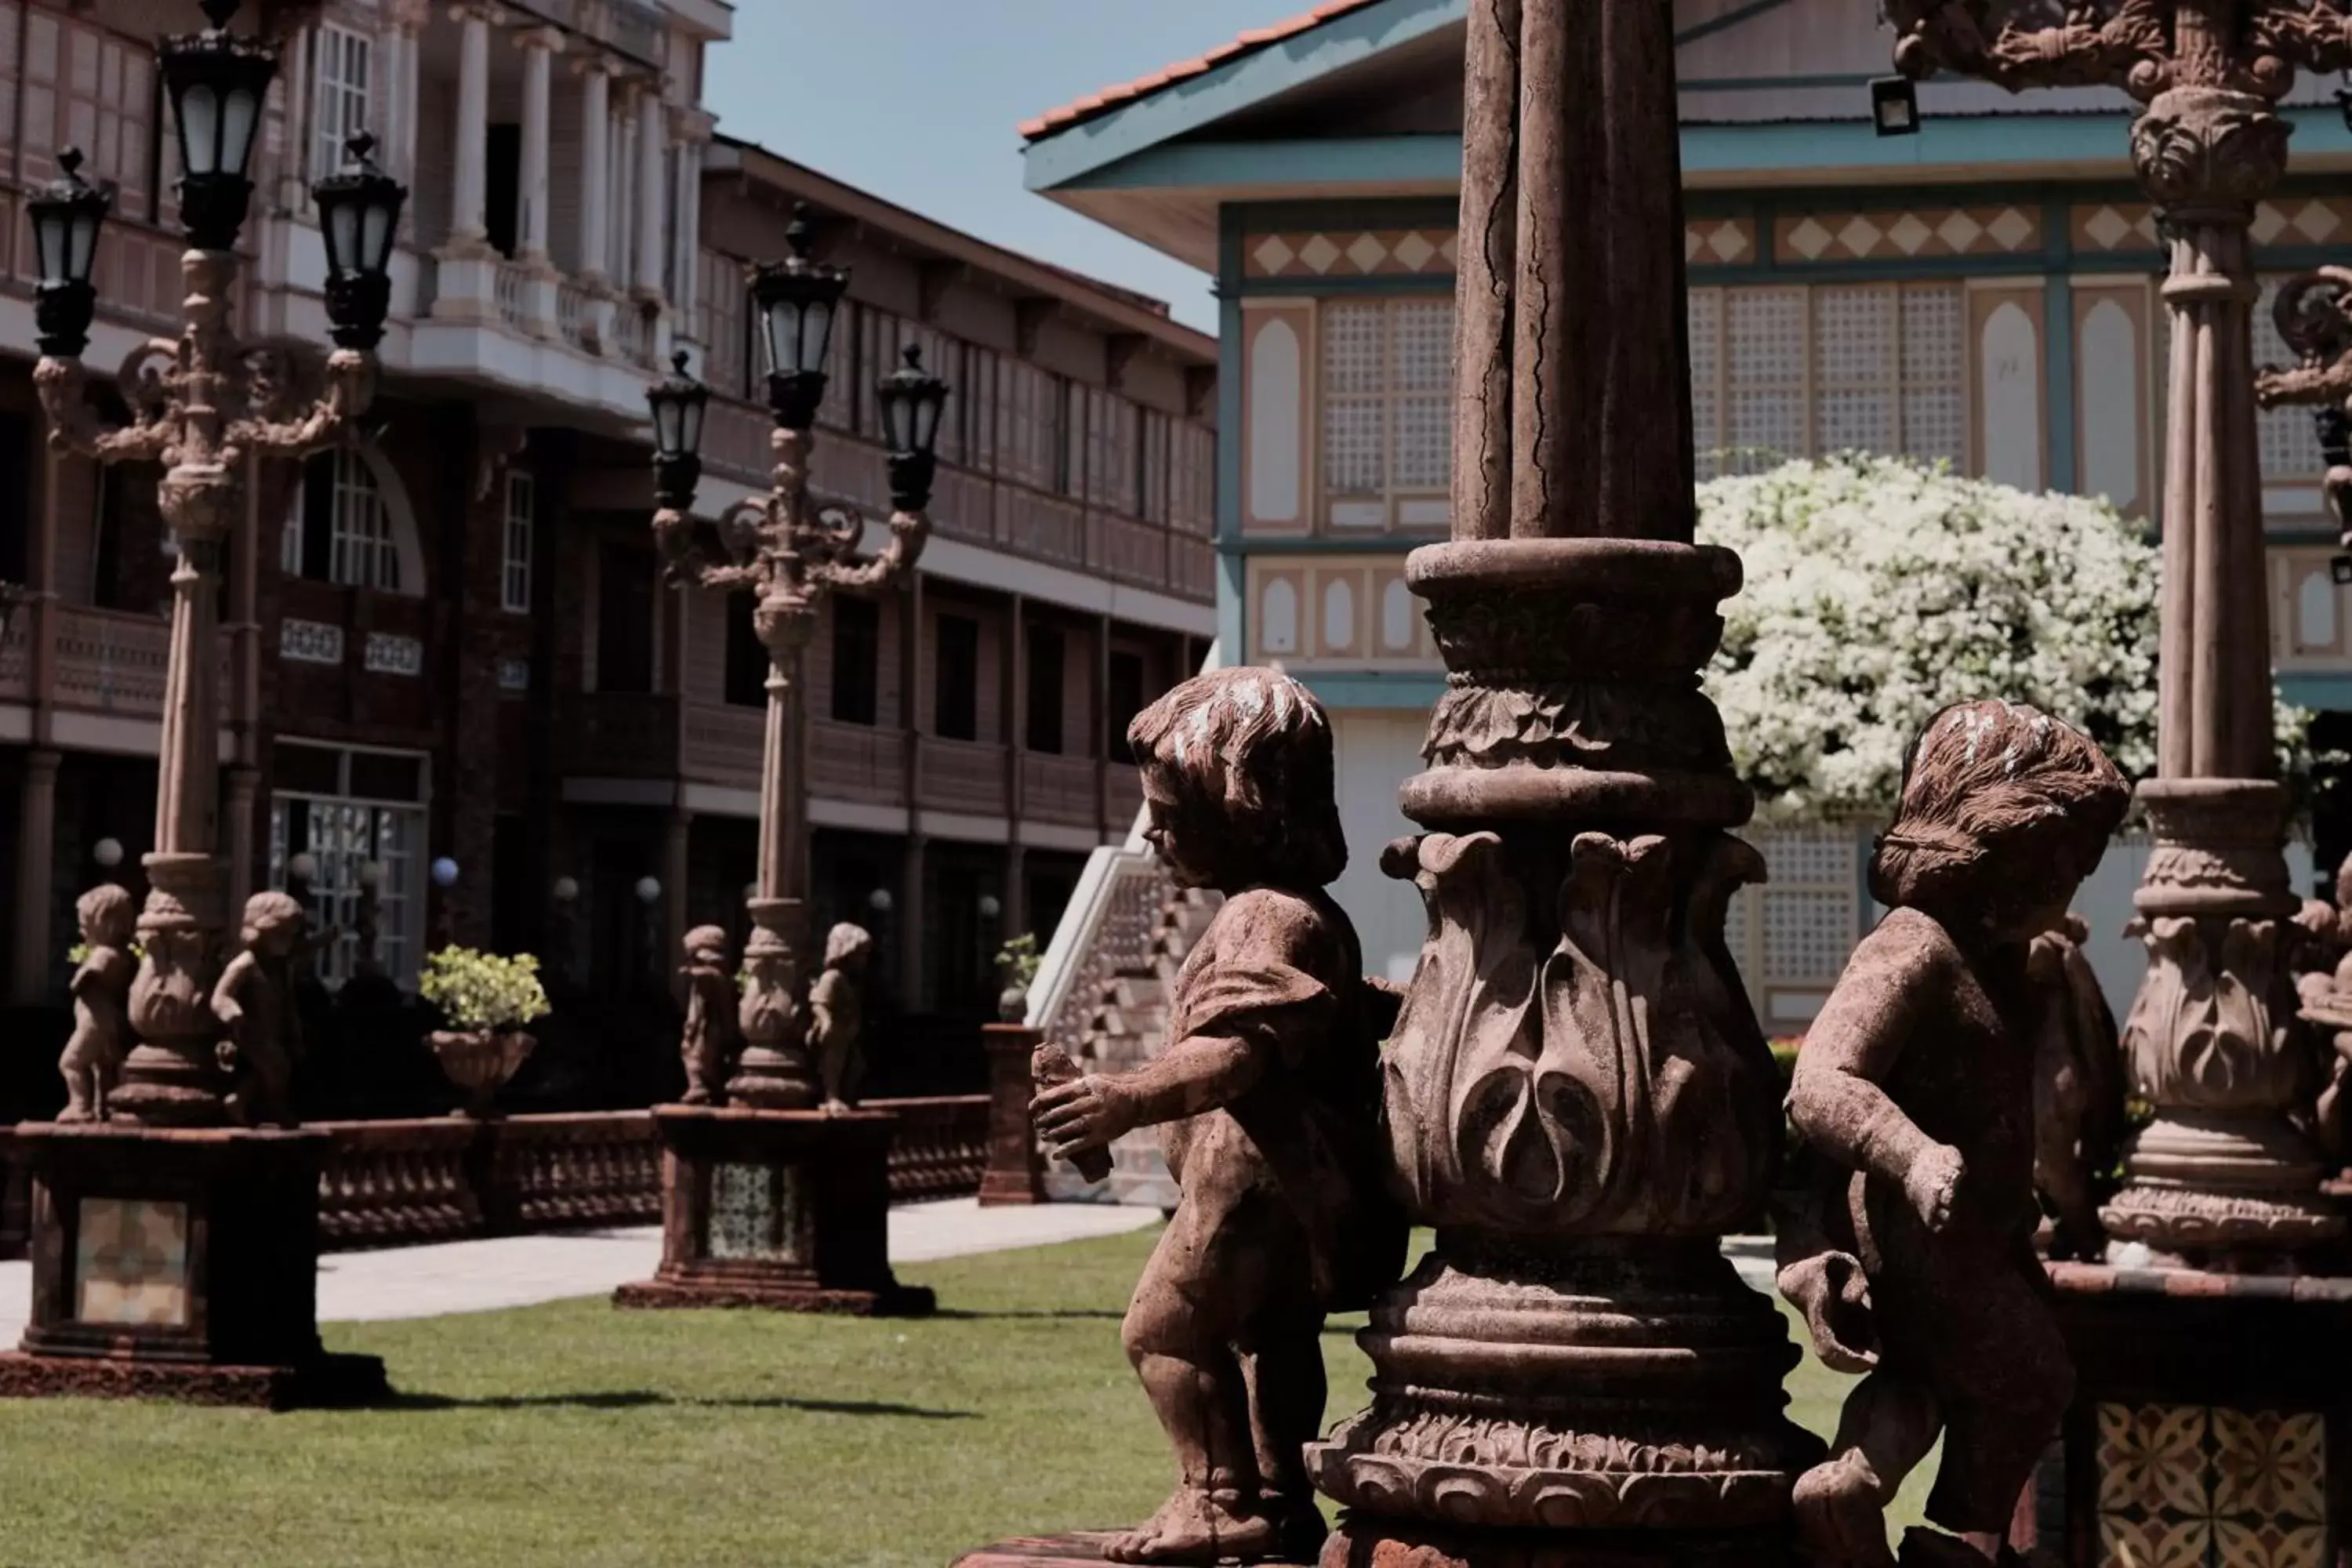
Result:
1130,1026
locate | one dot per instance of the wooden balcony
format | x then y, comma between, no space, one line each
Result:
1058,789
857,762
961,776
974,507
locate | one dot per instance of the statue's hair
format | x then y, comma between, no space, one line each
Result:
1252,747
108,908
845,940
701,936
1992,776
273,910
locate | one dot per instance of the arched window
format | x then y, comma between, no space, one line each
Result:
351,524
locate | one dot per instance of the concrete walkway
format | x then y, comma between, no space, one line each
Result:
524,1270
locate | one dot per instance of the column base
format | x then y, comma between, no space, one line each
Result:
178,1263
785,1210
1367,1540
332,1382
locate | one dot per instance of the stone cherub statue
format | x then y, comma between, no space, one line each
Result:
2078,1088
101,998
709,1041
1914,1093
254,1000
837,1013
1267,1097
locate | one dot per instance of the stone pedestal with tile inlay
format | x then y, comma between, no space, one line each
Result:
178,1263
2206,1406
785,1209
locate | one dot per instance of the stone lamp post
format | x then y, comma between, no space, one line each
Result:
170,1256
2222,1176
767,1201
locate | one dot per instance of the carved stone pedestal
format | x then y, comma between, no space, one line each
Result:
1368,1541
179,1264
2222,1176
2212,1420
1016,1167
1054,1550
787,1209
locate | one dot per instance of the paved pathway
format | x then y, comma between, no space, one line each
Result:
524,1270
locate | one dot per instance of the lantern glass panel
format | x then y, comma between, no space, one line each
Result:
669,422
781,323
377,228
200,125
816,335
49,233
84,256
241,112
344,254
927,420
690,438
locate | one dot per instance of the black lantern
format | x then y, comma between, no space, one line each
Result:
679,400
1895,106
798,299
67,215
910,398
358,214
218,82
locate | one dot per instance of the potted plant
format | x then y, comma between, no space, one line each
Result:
1017,960
488,999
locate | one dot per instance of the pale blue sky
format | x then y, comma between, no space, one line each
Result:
916,99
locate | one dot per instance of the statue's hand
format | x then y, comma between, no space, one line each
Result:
1831,1290
1932,1186
225,1054
1085,1113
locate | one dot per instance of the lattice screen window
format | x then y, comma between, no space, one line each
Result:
1784,373
723,304
1388,405
1193,478
84,86
2287,438
514,565
1792,936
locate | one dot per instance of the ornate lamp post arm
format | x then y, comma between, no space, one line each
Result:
791,554
202,403
2315,317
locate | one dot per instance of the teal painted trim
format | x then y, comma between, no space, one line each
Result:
1240,165
1393,283
1357,212
2058,360
1375,688
2031,265
1728,20
1767,83
1325,544
2327,691
1233,609
1229,377
1182,108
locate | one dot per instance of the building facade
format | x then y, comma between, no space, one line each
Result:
457,693
1984,294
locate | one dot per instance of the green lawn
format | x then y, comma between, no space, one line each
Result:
574,1435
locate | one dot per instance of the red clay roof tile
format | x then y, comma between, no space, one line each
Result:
1110,98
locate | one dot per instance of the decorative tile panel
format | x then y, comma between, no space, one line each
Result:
309,642
756,1212
1352,253
2190,1487
1899,234
1719,242
2290,222
514,675
389,653
131,1263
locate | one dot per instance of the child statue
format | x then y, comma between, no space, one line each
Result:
101,998
1916,1084
837,1015
709,1041
2078,1088
1267,1097
254,1000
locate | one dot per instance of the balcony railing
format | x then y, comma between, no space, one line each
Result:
721,744
963,775
575,316
857,762
514,295
633,335
1059,789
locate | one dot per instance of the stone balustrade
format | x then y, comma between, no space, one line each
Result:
400,1183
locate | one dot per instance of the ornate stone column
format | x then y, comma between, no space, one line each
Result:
2213,1038
595,167
1580,1097
469,196
652,216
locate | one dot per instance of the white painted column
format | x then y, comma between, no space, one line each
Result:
408,20
540,47
652,219
469,227
624,155
595,168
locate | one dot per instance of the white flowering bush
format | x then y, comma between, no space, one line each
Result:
482,991
1878,589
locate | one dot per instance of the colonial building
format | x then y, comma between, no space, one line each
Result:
459,696
966,731
1983,293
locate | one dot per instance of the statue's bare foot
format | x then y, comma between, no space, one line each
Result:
1198,1526
75,1113
695,1097
1840,1520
